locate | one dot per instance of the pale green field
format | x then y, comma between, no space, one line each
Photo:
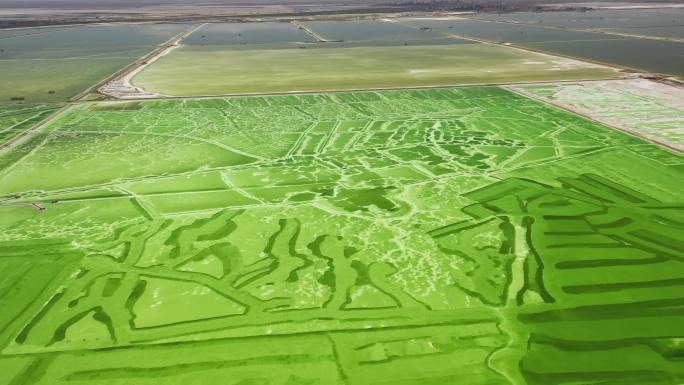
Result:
55,80
191,71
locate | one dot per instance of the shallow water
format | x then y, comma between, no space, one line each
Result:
368,30
88,41
503,32
647,55
248,33
596,19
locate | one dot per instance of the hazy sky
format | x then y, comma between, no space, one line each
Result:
155,2
129,3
